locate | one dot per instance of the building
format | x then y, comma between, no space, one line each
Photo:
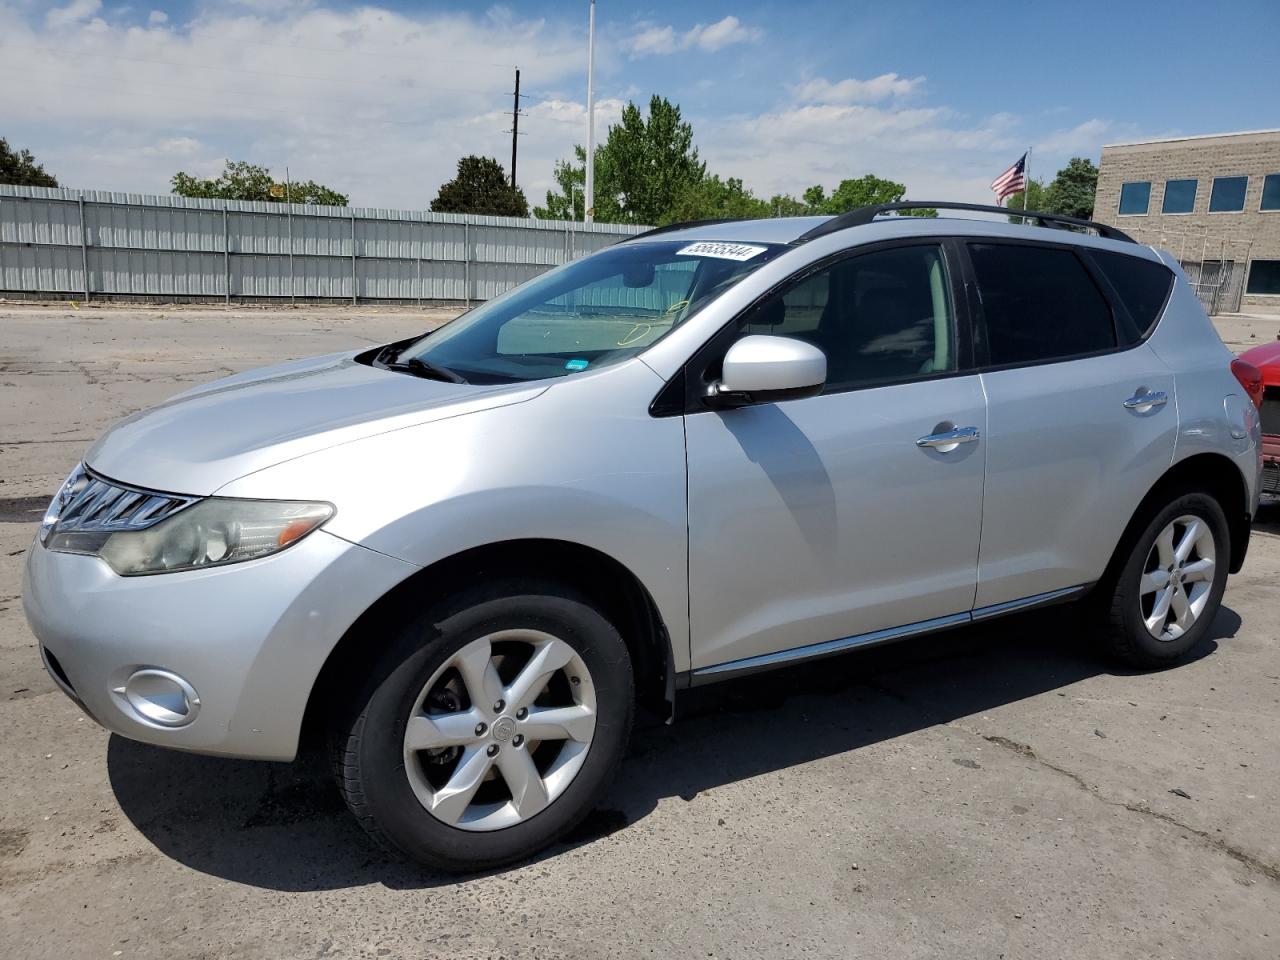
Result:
1213,201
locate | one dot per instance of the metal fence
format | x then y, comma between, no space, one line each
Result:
70,243
1215,264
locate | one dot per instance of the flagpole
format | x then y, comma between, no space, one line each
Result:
1026,173
589,196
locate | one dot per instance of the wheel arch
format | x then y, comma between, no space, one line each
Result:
620,595
1212,473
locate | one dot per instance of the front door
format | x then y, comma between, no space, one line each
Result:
851,512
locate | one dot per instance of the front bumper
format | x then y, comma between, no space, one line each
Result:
249,638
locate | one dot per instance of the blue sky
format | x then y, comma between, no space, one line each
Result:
379,100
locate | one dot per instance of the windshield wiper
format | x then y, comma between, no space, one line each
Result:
428,371
388,359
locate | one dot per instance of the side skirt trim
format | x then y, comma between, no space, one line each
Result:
768,661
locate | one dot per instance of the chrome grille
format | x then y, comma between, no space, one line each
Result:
90,503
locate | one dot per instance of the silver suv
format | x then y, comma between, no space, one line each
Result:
708,450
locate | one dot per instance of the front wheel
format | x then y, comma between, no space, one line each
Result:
1166,594
489,728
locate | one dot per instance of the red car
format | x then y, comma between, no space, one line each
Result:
1267,359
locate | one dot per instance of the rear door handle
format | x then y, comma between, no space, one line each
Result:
1142,402
948,440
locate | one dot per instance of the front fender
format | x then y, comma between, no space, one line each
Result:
584,463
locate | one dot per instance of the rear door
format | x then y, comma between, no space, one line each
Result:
1082,418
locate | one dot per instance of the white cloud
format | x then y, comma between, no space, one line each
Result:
157,17
72,13
656,40
652,40
1086,137
930,149
381,104
879,88
377,104
722,33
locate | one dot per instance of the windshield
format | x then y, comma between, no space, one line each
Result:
587,314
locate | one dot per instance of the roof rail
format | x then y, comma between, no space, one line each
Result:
685,225
864,215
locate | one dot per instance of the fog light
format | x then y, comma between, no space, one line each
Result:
161,697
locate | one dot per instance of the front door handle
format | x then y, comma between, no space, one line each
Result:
1146,400
948,440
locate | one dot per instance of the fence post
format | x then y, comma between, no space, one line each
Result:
291,280
419,262
353,258
84,250
226,256
466,261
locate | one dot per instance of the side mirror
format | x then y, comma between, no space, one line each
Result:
765,369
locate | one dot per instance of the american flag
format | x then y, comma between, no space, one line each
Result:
1011,181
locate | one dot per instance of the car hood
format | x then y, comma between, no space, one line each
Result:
204,438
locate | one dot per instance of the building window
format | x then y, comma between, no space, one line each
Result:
1264,277
1135,197
1179,196
1228,194
1271,192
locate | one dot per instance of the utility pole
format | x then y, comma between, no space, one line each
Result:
589,199
515,127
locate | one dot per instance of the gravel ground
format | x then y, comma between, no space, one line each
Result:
994,792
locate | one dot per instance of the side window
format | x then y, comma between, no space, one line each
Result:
1039,304
879,317
1142,285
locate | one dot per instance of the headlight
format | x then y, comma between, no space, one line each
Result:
208,533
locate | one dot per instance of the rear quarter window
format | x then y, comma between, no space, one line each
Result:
1143,287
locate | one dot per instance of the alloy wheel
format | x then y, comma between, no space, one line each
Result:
500,730
1177,578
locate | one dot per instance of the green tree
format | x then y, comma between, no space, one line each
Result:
1073,189
715,199
785,205
867,190
247,181
1035,188
643,166
570,178
481,186
20,167
1071,192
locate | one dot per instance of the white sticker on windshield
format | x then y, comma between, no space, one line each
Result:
722,251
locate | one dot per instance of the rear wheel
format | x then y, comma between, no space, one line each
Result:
1166,594
490,727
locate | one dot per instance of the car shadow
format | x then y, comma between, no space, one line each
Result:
284,826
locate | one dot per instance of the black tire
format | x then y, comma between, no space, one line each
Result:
1125,633
367,738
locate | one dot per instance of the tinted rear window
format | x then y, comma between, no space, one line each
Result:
1039,304
1142,285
